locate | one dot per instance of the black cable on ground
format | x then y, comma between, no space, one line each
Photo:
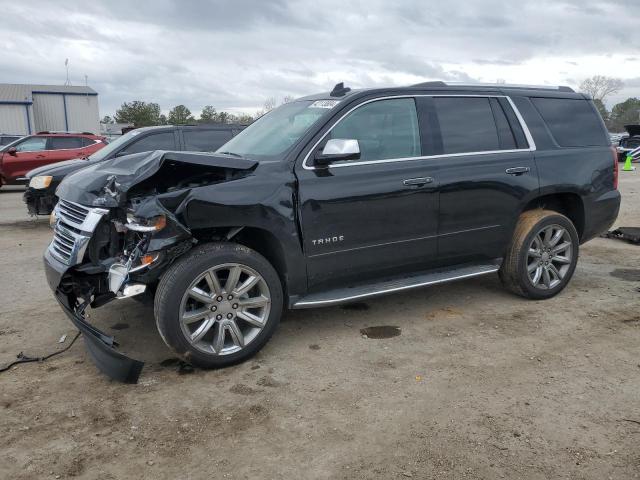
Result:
22,358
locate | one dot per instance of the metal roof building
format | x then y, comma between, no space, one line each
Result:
26,109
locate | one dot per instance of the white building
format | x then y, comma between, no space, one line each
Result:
26,109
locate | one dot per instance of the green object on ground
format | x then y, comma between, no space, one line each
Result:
627,164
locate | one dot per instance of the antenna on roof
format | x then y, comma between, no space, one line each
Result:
66,65
339,90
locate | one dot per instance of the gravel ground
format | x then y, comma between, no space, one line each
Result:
479,383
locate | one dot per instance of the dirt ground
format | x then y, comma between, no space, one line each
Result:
479,383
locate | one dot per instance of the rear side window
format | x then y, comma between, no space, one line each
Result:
573,123
65,143
205,140
384,129
87,141
466,124
158,141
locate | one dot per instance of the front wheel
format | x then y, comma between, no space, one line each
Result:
218,305
542,256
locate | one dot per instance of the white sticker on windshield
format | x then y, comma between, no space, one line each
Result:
324,104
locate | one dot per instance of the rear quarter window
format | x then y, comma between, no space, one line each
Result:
65,143
572,122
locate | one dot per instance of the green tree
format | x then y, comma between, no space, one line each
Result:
224,117
138,113
208,115
179,115
625,113
107,119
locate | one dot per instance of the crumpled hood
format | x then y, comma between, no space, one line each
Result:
106,183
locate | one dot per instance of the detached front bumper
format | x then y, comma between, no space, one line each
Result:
101,347
39,202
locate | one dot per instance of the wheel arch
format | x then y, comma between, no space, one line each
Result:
569,204
267,244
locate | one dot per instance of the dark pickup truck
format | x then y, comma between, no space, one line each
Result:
333,198
40,195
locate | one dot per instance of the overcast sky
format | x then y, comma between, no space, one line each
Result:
235,54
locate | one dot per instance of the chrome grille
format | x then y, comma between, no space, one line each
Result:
73,228
72,213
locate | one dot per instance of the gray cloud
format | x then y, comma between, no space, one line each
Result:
234,55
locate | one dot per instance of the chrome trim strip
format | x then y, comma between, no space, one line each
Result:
324,254
487,227
372,246
523,125
333,301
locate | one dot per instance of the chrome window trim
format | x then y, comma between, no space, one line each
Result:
67,149
523,125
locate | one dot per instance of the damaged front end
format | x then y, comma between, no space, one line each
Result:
116,229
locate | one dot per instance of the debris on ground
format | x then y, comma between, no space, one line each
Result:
630,234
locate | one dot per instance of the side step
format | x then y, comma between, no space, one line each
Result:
348,294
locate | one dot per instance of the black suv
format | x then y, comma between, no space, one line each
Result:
629,143
333,198
40,195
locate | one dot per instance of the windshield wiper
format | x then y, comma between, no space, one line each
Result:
231,153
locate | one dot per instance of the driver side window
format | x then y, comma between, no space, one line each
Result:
33,144
384,129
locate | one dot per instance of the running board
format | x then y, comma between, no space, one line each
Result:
349,294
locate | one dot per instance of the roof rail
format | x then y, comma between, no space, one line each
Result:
435,83
560,88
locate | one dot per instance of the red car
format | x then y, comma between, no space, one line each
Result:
43,148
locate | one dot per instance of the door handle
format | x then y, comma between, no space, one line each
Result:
40,156
517,170
417,182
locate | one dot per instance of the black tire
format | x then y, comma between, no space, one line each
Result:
177,279
513,272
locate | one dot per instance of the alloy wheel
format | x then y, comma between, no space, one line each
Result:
224,309
549,257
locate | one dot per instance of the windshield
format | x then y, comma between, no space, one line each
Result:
113,146
272,134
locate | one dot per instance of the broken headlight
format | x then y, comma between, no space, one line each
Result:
145,225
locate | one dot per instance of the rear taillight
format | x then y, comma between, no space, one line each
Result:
614,153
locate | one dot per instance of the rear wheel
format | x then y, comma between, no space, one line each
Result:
218,305
542,256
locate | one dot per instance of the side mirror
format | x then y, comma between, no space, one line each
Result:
12,151
338,149
121,154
